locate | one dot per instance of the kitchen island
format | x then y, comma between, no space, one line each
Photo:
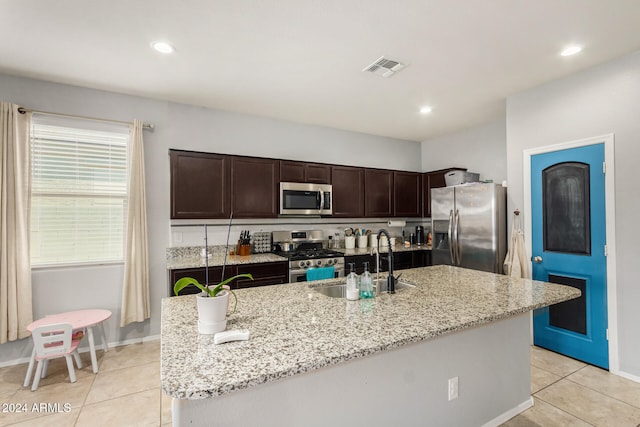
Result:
317,360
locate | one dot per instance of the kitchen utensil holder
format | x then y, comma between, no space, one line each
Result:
350,242
243,249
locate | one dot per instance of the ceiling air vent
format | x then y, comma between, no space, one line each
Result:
384,67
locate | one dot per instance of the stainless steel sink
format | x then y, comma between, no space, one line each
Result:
400,285
340,291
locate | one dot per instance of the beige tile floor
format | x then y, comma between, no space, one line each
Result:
567,392
126,392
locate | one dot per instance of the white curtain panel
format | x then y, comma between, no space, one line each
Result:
135,290
15,187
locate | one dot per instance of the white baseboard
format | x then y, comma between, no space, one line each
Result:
506,416
628,376
86,349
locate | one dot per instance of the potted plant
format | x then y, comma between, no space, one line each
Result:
212,302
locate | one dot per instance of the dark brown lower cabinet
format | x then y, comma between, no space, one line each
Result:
268,273
421,259
401,261
199,273
358,261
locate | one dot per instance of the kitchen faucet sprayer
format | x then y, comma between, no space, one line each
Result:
391,282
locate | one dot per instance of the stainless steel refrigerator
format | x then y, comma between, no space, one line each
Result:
469,226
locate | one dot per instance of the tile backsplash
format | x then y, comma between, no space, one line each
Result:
194,235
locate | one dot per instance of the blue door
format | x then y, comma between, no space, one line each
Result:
568,247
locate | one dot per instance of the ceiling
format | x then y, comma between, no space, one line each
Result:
302,60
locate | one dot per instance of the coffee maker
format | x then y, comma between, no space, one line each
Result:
420,239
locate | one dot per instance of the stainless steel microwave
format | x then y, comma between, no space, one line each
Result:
305,199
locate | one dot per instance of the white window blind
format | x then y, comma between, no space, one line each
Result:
79,191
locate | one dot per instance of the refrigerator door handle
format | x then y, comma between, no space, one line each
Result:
451,241
456,238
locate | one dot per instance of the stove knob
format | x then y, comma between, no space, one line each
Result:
319,263
307,264
331,261
301,264
335,261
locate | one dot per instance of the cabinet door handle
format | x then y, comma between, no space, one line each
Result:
537,259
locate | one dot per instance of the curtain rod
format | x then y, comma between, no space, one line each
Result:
23,110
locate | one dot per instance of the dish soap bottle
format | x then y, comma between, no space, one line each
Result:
366,283
353,293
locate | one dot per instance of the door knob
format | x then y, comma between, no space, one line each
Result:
537,259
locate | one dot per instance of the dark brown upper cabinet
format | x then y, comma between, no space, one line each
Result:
255,183
378,186
407,194
208,185
292,171
433,179
199,185
348,191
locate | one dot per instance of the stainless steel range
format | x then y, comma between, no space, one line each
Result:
304,250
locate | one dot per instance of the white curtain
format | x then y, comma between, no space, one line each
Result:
15,189
135,289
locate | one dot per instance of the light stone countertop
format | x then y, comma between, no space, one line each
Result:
295,329
193,261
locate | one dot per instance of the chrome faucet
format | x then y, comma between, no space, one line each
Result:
391,281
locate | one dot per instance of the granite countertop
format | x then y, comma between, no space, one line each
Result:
193,261
295,329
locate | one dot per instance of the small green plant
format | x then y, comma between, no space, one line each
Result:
212,292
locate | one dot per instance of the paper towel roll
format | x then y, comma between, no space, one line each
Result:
396,223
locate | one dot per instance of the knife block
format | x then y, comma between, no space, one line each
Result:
242,249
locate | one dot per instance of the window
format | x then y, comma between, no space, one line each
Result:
79,191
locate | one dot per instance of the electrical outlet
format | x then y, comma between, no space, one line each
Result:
453,388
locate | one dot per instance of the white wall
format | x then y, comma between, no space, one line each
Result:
598,101
185,127
481,149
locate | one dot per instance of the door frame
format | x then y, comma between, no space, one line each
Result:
609,185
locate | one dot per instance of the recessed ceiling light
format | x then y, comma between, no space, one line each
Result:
162,47
425,110
571,50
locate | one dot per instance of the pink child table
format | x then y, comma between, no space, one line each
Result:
79,320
